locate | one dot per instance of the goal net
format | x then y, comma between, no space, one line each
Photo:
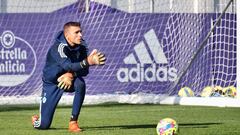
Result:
153,48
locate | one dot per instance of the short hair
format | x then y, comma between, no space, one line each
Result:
68,24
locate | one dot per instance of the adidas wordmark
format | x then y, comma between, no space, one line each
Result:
152,72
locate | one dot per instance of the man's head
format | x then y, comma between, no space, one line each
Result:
73,33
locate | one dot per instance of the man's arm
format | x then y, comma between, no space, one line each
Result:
95,58
65,80
59,54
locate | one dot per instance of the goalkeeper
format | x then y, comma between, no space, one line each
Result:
66,63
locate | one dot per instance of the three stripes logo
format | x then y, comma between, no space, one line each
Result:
148,68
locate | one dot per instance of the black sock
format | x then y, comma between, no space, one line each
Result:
74,118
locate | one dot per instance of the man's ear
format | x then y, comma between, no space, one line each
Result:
66,35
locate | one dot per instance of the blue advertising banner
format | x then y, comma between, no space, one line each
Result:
146,53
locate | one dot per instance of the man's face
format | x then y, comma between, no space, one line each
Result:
73,35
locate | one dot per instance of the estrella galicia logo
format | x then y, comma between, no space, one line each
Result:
17,59
152,65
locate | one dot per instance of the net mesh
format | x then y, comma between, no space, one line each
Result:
148,44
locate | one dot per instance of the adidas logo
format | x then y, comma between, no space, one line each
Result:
148,68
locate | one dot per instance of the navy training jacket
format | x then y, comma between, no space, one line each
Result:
62,58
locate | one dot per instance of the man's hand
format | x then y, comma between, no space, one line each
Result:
65,81
96,58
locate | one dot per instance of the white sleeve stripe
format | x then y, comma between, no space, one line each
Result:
60,50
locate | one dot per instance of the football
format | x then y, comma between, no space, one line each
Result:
230,91
167,126
207,91
185,92
217,92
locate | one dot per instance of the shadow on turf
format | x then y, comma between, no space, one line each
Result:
183,125
197,125
120,127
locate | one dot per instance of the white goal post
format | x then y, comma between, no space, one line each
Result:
238,49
